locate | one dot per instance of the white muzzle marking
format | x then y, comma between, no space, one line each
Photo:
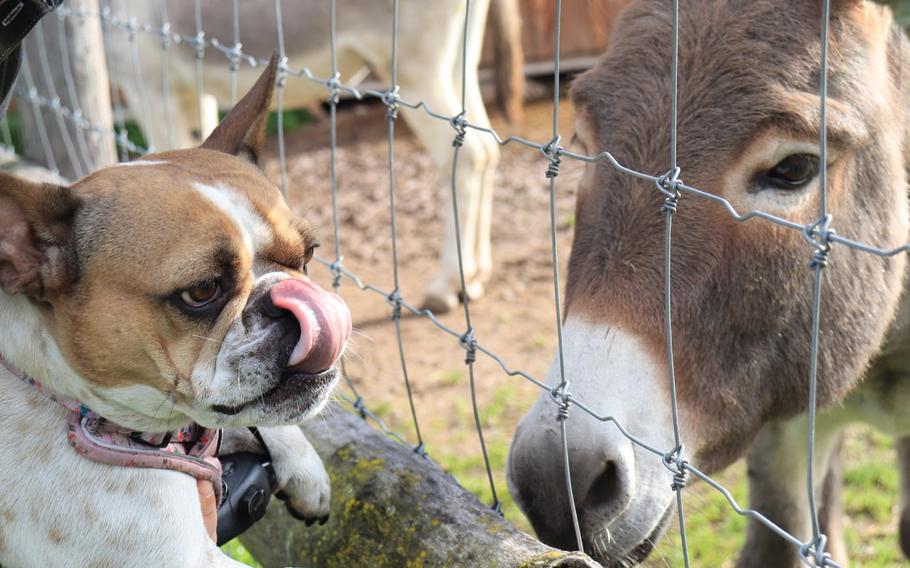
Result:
621,490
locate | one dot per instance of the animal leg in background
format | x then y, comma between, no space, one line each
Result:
777,470
474,169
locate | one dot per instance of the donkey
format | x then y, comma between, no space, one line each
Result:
429,43
748,131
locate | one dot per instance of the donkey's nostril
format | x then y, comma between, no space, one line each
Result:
605,487
610,492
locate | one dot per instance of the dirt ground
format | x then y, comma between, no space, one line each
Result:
516,317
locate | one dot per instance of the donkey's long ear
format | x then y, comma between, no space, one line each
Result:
242,132
36,242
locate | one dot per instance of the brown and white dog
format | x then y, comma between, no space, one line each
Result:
742,303
157,293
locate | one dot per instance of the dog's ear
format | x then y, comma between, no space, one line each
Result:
36,221
242,132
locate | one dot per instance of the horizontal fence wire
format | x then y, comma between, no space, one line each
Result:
818,234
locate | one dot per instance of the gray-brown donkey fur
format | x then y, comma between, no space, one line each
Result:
748,86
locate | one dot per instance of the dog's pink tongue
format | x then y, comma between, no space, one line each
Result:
325,323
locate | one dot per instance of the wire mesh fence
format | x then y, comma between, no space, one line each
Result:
819,235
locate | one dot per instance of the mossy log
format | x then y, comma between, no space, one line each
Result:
391,507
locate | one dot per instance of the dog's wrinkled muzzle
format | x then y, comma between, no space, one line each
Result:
325,323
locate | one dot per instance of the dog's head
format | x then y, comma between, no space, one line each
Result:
172,288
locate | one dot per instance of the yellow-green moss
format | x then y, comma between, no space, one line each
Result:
542,559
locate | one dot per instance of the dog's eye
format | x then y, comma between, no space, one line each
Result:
201,295
308,256
793,172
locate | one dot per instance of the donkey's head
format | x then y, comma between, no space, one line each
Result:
748,131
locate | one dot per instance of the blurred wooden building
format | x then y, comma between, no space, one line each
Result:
586,26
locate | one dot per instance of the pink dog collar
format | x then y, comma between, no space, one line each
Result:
192,450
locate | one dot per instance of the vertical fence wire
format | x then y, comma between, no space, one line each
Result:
70,84
236,47
675,460
32,96
468,340
198,43
337,265
819,235
138,77
333,148
120,136
55,104
165,41
395,297
560,394
279,91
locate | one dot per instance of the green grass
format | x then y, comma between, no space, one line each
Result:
15,132
901,10
715,532
293,119
452,377
236,550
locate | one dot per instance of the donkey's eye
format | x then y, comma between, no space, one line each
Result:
201,295
793,172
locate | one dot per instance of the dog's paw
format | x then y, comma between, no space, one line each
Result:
305,486
303,482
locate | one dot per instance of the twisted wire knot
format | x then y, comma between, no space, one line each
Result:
668,184
131,28
282,77
234,54
469,343
674,462
562,411
336,268
390,100
458,123
199,44
813,552
819,258
106,18
165,33
819,235
563,400
394,298
552,151
333,86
